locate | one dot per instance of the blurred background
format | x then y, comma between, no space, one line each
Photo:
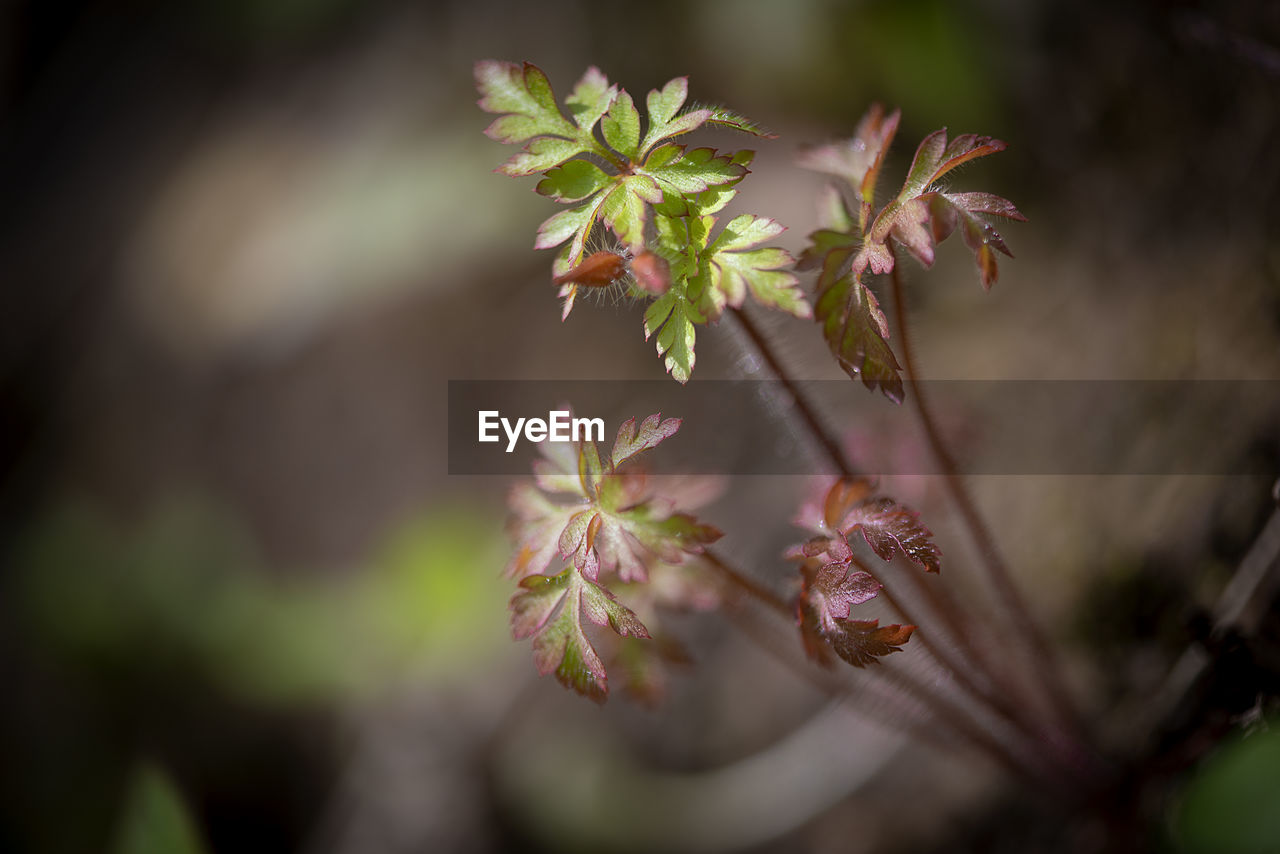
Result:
246,243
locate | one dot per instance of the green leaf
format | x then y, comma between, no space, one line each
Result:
539,155
694,172
1228,804
621,126
735,267
623,207
856,331
522,95
663,121
673,318
573,182
668,536
714,200
562,647
560,227
590,99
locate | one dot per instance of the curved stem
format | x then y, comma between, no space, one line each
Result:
957,621
1010,748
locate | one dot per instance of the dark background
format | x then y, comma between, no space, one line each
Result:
244,245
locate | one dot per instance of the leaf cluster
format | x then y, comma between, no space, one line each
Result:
587,519
860,241
833,581
624,174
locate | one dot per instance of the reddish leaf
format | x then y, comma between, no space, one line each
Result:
863,642
631,440
935,158
856,331
835,589
845,494
890,527
887,526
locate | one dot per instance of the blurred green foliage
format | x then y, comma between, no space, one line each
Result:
155,819
1232,804
186,593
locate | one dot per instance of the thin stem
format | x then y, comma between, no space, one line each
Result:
1015,754
952,615
748,585
817,430
997,571
999,704
822,437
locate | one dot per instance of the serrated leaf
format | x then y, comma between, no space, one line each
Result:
950,210
541,153
632,440
522,95
724,117
863,642
550,610
604,609
590,99
562,647
559,227
919,218
663,105
667,535
714,199
856,331
691,172
538,599
892,528
673,319
573,182
621,126
734,267
835,589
